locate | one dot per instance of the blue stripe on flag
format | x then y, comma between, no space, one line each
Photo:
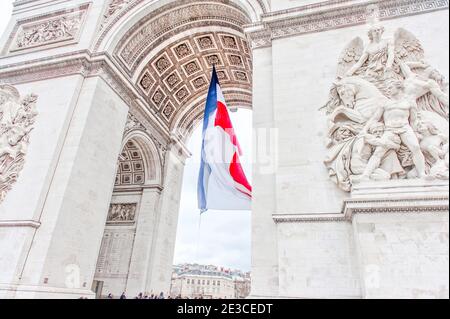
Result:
205,169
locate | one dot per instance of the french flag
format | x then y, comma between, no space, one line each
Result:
222,184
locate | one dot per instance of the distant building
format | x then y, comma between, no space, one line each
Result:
209,282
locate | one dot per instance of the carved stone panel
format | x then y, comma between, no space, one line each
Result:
387,113
53,29
17,117
122,213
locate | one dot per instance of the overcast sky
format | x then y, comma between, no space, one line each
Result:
223,238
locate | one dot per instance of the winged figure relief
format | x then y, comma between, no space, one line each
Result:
387,112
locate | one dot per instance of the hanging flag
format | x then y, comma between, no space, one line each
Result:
222,183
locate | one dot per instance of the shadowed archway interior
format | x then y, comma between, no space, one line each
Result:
168,56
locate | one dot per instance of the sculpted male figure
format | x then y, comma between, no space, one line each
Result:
415,86
383,146
396,115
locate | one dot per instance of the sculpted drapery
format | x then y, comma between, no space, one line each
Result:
387,113
17,117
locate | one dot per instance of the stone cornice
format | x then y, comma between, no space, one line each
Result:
404,205
331,15
304,218
352,207
87,65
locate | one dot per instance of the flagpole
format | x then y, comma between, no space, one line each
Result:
198,236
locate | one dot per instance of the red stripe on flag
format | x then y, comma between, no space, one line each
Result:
223,121
238,174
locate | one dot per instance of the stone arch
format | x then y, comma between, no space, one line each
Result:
167,50
131,170
118,20
151,156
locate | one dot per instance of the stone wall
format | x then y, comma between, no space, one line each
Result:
321,252
403,255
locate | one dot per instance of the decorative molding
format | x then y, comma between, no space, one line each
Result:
171,19
49,30
85,64
20,223
117,9
348,217
304,218
113,8
396,205
133,124
400,201
331,15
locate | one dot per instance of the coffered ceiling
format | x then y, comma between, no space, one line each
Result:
179,75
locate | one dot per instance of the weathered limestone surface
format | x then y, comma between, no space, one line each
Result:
325,247
365,235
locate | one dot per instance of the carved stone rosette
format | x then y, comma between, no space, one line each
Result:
387,113
17,117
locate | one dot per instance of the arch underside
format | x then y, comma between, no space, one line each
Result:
131,168
170,52
139,163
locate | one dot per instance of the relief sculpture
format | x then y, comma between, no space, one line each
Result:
17,117
387,113
121,212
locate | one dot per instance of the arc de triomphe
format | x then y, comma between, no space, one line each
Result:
98,98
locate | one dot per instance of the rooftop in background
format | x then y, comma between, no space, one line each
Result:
209,270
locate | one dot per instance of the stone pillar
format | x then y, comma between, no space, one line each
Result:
144,241
52,221
264,232
161,259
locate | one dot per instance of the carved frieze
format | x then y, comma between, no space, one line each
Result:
17,117
329,15
122,213
53,29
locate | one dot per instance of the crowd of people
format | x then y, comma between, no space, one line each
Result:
145,296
